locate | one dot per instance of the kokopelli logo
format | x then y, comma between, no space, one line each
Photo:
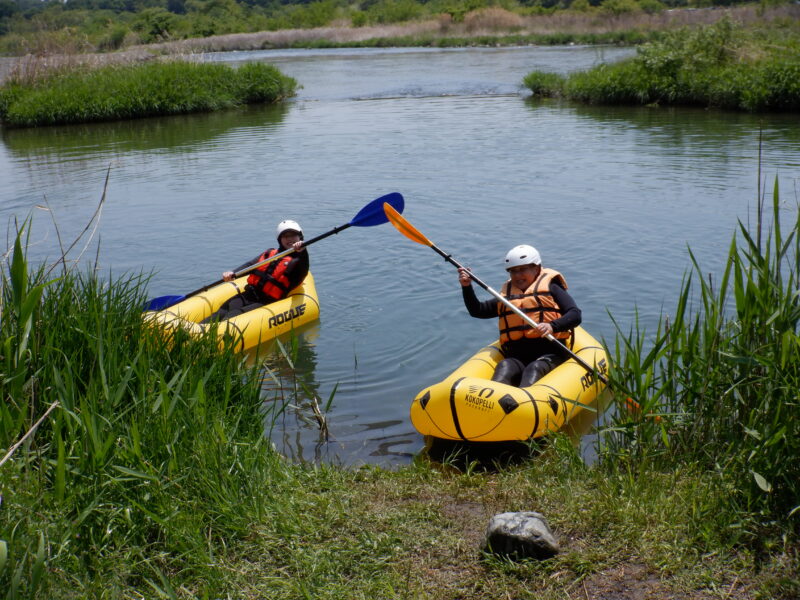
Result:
475,390
478,397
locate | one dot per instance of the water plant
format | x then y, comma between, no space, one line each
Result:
716,382
721,65
80,95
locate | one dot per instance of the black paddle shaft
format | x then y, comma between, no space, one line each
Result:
322,236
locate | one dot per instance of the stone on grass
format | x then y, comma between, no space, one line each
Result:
518,535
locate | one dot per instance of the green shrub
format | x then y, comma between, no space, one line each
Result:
114,38
154,24
620,7
719,66
544,84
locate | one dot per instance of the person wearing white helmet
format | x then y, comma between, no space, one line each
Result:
541,293
272,281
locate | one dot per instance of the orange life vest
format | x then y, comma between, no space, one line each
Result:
270,279
536,302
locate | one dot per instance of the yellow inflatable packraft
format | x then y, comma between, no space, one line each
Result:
468,406
249,329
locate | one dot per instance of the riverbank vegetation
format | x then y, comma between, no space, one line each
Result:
81,26
149,474
723,65
35,96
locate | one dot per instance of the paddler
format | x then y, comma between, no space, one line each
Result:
273,281
541,293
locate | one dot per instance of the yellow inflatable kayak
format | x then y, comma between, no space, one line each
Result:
468,406
248,329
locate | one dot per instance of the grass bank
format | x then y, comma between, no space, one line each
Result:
723,65
34,97
149,475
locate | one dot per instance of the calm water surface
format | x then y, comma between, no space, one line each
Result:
610,196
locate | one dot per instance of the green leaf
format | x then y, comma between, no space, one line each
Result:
3,555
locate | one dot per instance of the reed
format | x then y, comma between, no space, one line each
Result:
80,95
152,455
716,382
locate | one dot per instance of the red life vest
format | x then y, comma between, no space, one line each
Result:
536,302
270,279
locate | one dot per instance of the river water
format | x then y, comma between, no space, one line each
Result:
610,196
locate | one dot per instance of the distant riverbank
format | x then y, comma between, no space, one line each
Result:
497,27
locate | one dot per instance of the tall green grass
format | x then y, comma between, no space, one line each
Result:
721,65
717,381
80,95
153,458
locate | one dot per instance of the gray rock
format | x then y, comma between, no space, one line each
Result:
519,535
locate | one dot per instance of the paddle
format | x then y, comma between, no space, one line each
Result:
408,230
372,214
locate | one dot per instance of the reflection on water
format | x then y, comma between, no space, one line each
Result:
174,134
301,423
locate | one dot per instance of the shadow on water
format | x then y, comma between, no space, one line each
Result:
175,133
494,456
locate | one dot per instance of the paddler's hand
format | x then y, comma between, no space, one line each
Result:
463,277
298,246
544,329
228,276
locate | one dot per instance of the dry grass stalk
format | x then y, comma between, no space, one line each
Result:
492,19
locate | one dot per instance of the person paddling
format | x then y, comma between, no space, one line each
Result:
272,281
541,294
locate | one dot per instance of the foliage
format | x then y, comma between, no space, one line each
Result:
28,26
123,92
721,65
717,386
143,453
541,83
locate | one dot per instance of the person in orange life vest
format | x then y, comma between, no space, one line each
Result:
541,294
272,281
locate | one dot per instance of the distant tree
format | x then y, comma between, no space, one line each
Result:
8,8
154,24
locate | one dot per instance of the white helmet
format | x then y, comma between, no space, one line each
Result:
522,255
286,226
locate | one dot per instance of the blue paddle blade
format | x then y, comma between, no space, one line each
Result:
162,302
373,213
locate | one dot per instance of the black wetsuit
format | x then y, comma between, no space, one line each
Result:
528,359
251,297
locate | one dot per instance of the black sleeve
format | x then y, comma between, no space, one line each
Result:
480,310
297,270
570,313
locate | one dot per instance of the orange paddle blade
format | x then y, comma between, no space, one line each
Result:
404,227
